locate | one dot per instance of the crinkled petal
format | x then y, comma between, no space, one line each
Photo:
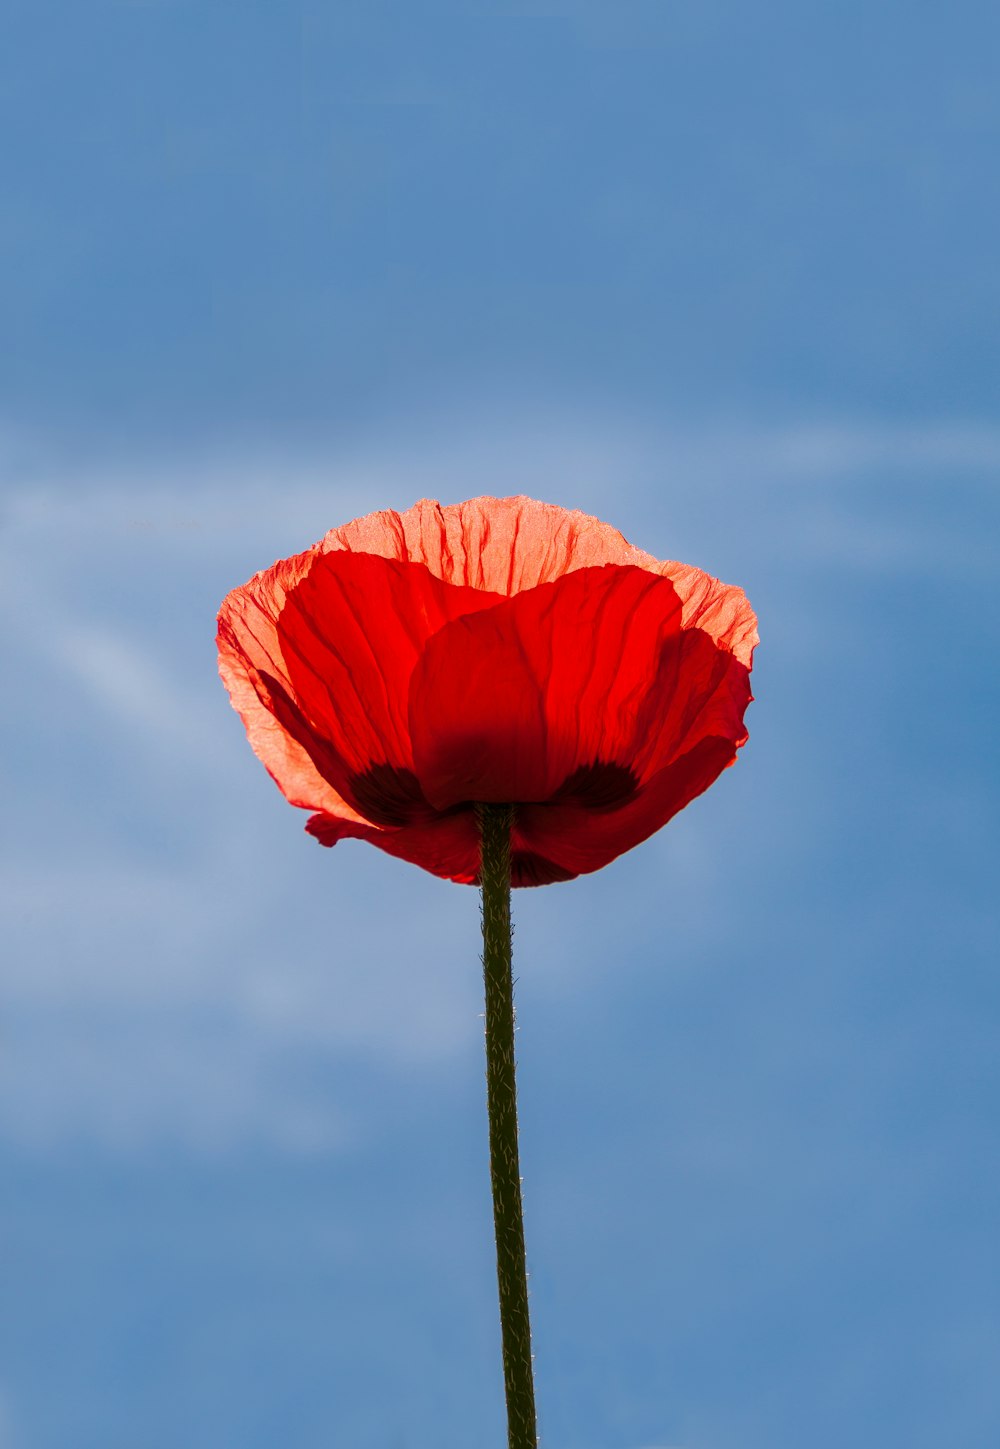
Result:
317,654
503,545
249,649
508,545
576,691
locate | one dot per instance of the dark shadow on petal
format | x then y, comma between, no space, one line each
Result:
287,711
529,869
383,794
602,785
386,795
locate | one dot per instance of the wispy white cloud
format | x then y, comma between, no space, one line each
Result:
125,1077
130,683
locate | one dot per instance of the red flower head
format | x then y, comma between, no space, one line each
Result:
501,650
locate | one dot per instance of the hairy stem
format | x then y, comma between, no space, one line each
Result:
512,1279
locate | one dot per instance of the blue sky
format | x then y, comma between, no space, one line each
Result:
726,279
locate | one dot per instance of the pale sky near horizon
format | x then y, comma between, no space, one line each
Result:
726,280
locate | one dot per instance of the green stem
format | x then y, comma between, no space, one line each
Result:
512,1279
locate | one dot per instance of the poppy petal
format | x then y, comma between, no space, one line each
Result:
447,846
578,840
509,545
698,690
510,703
722,611
248,650
325,680
502,545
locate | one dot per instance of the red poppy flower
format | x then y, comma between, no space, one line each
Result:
499,650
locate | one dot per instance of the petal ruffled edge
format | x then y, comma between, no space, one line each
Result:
248,645
508,545
316,653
